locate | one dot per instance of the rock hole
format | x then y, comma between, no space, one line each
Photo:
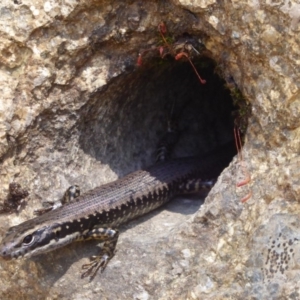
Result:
122,125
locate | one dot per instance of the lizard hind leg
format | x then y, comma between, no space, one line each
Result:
109,238
196,185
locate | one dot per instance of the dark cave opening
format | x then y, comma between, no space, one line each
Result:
122,125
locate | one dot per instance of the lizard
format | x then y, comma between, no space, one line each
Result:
98,213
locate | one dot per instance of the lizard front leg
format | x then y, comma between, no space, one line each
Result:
109,238
69,196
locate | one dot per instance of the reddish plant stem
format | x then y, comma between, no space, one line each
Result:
247,179
162,31
247,197
203,81
179,55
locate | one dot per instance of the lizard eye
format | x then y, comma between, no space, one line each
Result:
28,239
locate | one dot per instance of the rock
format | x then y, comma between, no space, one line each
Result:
76,109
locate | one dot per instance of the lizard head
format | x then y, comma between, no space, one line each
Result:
22,241
31,238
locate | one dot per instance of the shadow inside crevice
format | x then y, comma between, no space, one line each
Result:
122,125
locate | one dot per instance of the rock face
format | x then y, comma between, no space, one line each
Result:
76,109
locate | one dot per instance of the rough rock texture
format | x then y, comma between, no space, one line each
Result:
75,108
